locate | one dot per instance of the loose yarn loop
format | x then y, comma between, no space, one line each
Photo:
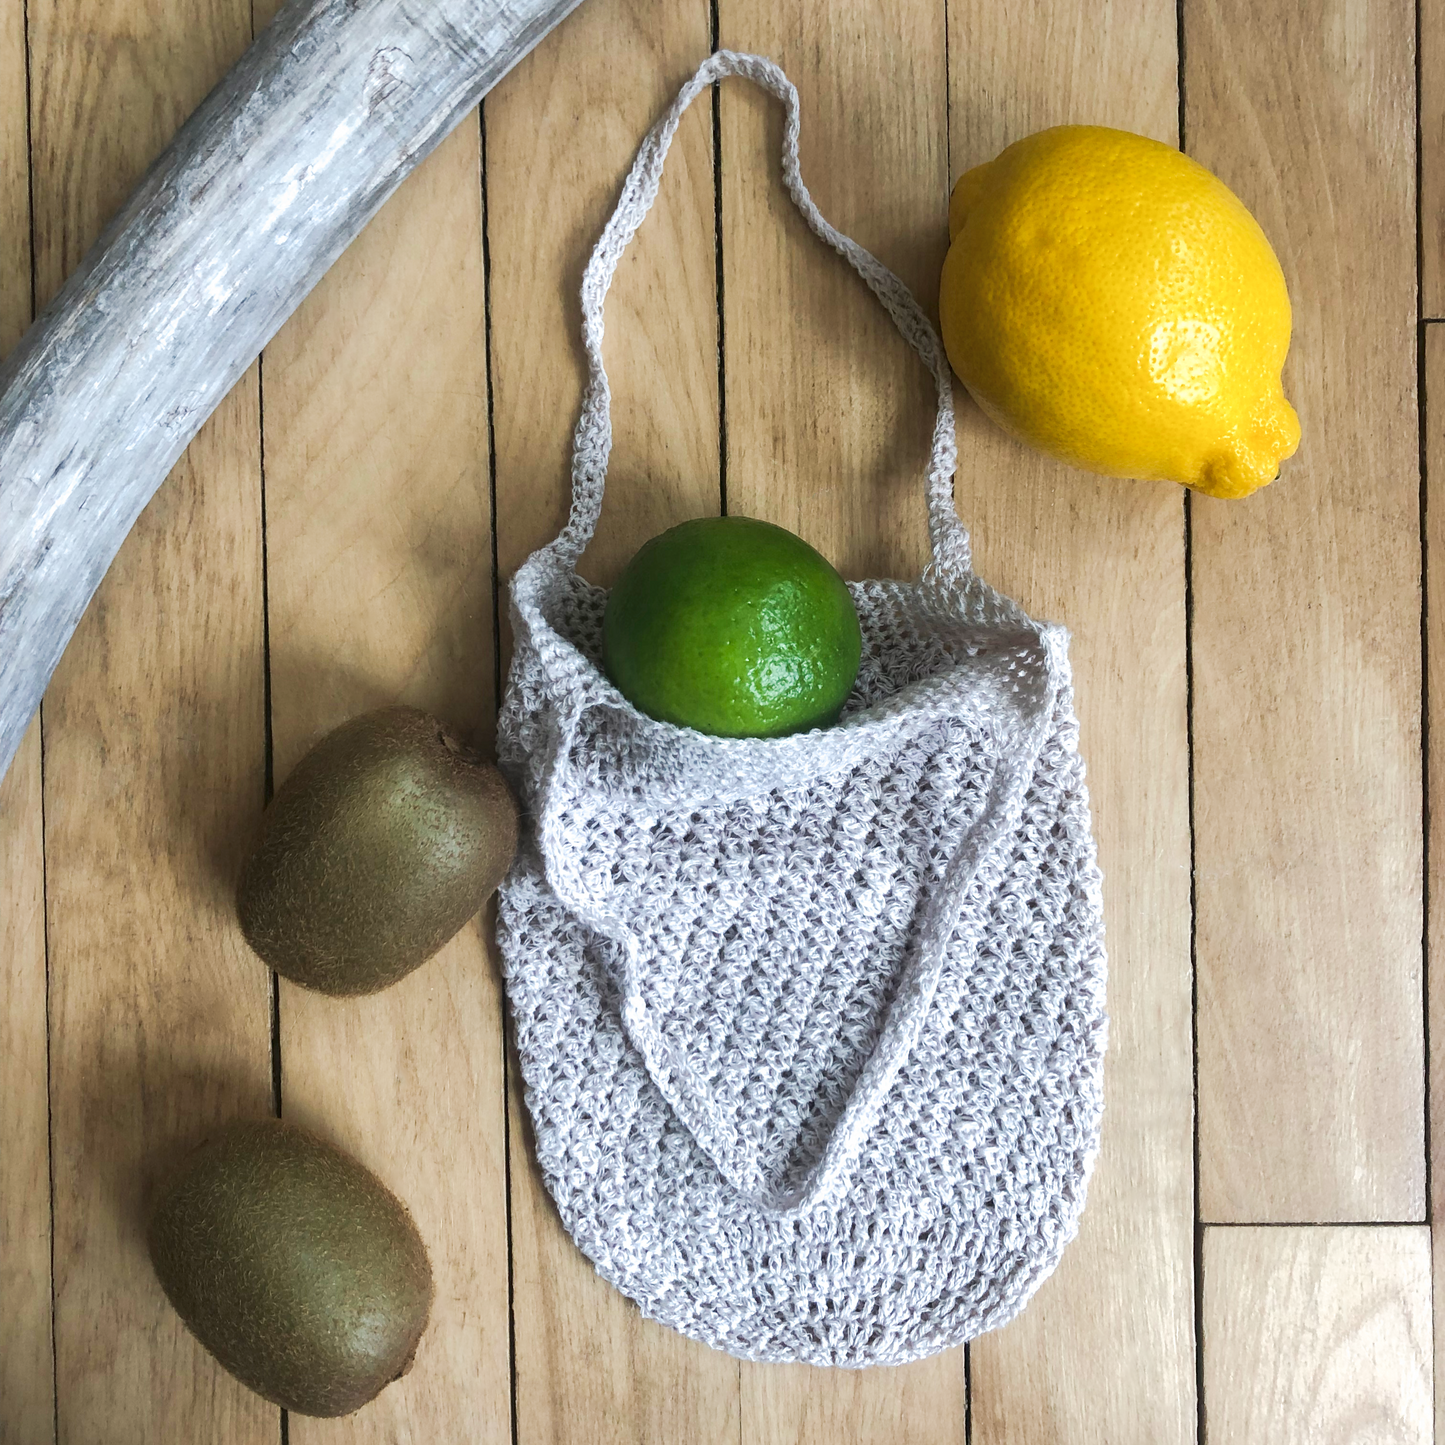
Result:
811,1027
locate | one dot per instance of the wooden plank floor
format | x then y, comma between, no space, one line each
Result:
1261,690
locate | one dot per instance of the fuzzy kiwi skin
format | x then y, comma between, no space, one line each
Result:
294,1266
387,837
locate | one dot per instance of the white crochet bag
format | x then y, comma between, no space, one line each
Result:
811,1027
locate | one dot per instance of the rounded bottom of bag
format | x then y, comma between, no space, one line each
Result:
944,1231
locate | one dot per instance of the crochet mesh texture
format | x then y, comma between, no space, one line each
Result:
812,1027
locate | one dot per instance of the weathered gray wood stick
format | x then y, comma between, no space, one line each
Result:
261,190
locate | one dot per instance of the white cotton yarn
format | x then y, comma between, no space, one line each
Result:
812,1028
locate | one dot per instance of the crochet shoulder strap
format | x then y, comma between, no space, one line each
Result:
593,441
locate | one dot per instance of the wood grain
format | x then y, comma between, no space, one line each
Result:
828,420
14,178
379,570
27,1377
921,1403
1317,1336
1105,1353
1435,640
1307,641
828,411
154,769
379,538
560,134
575,112
1432,156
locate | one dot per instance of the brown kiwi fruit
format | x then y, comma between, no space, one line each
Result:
388,836
294,1266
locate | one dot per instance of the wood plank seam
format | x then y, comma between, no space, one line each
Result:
1226,1224
379,494
497,685
1422,406
719,283
268,781
1422,403
49,1110
268,784
1429,336
967,1360
1200,1423
1198,1277
40,724
18,314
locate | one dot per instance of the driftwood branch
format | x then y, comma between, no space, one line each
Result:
261,190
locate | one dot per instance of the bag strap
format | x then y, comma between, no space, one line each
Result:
592,444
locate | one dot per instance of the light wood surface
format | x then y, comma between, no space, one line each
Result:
154,733
1317,1336
1306,643
364,442
1106,1352
15,273
1432,157
1434,417
829,412
27,1376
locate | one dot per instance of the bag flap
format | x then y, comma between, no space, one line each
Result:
776,952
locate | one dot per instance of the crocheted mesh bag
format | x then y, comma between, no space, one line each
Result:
811,1027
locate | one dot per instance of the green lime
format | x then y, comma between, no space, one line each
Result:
734,627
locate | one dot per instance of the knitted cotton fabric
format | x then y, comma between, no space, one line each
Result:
812,1028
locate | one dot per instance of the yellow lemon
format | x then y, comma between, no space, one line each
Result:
1111,302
